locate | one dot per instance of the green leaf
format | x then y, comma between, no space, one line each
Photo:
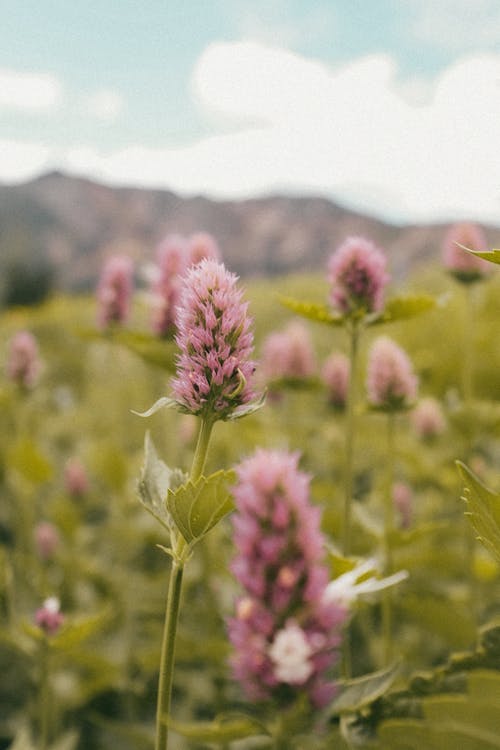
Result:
493,256
360,692
483,510
75,632
162,403
225,728
246,409
155,481
404,307
196,507
312,311
455,624
29,461
151,349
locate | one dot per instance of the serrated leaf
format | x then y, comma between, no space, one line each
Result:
402,308
483,510
155,481
360,692
163,403
222,729
312,311
196,507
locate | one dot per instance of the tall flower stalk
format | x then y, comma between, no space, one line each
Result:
213,382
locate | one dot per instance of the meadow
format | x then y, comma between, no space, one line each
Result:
418,662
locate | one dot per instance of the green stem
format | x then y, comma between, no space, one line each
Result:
44,695
167,658
388,529
468,347
349,438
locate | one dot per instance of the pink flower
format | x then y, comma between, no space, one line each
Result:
172,261
114,291
428,419
214,335
464,266
391,382
202,245
402,497
335,374
23,363
288,353
46,540
48,617
284,633
75,477
357,275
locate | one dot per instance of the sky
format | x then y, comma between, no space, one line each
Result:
391,107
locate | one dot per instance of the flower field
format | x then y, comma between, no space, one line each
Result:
254,514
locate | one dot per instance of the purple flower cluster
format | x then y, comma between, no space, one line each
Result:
48,617
402,497
288,353
114,291
335,375
285,633
214,369
46,537
76,480
428,418
171,263
391,382
357,275
200,246
23,363
464,266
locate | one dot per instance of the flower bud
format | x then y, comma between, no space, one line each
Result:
46,540
114,291
357,276
23,363
391,382
48,617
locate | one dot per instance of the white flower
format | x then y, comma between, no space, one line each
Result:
52,604
346,589
290,652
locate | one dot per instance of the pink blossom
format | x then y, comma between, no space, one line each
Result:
391,382
402,497
114,291
464,266
335,374
428,419
202,245
47,540
23,362
172,262
284,631
214,371
48,617
357,275
288,353
75,477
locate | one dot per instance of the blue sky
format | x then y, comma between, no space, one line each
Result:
392,106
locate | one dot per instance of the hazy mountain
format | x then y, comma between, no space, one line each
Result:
75,223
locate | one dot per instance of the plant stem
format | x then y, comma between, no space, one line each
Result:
349,437
44,694
468,348
388,529
173,602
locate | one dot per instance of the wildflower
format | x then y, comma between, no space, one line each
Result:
46,540
114,291
48,617
288,353
462,265
428,419
391,382
402,497
348,587
357,275
23,363
285,634
335,375
75,477
215,339
202,245
172,261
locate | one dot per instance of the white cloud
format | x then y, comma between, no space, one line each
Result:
104,104
20,161
459,25
30,92
347,132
